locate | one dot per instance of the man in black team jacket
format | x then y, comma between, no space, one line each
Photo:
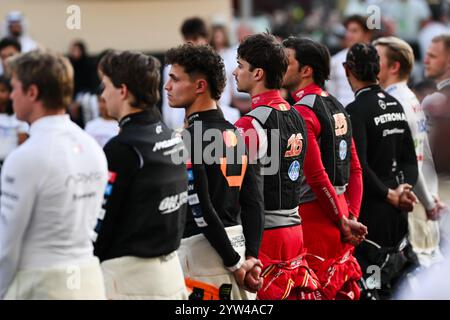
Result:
147,193
223,187
386,152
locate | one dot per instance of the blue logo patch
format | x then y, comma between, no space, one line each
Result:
108,190
190,175
294,170
342,149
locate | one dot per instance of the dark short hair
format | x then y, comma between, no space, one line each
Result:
194,28
263,51
7,42
445,39
200,60
358,19
313,54
139,72
51,73
364,62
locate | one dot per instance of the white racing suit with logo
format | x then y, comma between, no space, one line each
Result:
423,233
51,193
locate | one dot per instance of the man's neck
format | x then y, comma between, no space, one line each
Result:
40,112
201,104
258,89
125,111
362,84
445,76
302,84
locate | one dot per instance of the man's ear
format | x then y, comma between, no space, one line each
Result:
307,71
347,72
395,67
201,85
33,92
124,93
258,74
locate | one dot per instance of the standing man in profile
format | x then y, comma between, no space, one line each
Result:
356,30
147,193
274,131
388,159
193,30
52,188
215,248
396,63
332,189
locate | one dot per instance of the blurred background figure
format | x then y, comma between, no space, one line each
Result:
423,88
435,26
220,41
240,100
85,78
8,48
437,105
16,27
84,106
12,131
103,128
356,30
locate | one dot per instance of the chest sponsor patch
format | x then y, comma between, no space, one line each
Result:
172,203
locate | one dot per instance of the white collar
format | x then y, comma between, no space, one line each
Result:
45,122
444,83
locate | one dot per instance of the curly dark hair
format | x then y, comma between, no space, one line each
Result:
139,72
364,62
263,51
313,54
200,60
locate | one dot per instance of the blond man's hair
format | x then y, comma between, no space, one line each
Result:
400,51
51,73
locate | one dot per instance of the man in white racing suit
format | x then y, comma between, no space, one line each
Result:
52,190
396,62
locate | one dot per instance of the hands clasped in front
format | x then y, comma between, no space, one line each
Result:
248,276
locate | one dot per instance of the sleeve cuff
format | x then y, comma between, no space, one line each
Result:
237,265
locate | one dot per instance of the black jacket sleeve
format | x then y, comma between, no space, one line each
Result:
214,230
371,180
251,199
123,164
